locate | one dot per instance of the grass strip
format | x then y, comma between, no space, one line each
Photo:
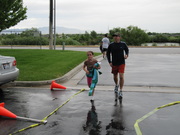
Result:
38,65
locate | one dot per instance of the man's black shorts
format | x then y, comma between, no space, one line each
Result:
104,50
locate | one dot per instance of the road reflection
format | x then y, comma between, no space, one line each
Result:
92,126
116,126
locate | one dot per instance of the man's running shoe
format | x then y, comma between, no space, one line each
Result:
120,95
116,89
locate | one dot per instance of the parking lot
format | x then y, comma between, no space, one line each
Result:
149,83
71,118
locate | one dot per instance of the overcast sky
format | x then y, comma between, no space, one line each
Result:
102,15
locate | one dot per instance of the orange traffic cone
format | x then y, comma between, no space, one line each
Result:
2,104
56,85
5,112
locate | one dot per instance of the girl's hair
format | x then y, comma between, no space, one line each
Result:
91,52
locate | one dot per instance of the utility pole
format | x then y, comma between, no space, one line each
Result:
54,41
51,25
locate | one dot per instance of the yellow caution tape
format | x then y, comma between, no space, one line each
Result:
136,125
63,104
45,118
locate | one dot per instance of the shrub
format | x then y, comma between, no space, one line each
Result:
67,41
25,41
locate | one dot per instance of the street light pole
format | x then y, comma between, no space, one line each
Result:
51,25
54,43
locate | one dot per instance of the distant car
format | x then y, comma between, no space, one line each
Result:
8,70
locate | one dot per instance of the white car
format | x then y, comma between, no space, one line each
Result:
8,70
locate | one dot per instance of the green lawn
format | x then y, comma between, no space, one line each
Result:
38,65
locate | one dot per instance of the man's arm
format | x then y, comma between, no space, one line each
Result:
108,54
126,51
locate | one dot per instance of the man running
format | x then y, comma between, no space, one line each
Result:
116,58
105,44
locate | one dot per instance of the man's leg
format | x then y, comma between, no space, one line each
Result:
116,79
121,80
103,54
116,87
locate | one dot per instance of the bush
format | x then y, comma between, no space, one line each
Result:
154,44
25,41
67,41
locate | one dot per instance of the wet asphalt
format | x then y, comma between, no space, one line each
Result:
154,68
149,67
72,118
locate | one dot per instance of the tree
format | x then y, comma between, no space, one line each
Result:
11,13
161,38
33,32
93,34
132,35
